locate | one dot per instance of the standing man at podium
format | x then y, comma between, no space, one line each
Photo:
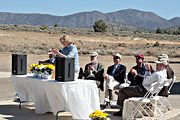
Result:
69,50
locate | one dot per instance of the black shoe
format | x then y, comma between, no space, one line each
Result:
119,113
102,106
110,94
108,105
16,100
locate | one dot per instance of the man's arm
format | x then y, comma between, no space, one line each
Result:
86,71
151,79
130,76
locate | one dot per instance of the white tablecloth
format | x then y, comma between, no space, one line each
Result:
79,97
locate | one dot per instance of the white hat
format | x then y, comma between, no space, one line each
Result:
118,55
163,56
93,54
162,60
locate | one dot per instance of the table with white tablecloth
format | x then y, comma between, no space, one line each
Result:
79,97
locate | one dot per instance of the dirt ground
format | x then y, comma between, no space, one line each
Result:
40,43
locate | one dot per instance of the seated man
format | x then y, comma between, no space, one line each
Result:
51,59
115,75
94,70
140,90
170,74
138,70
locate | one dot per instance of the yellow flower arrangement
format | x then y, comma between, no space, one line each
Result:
41,69
49,66
98,115
32,67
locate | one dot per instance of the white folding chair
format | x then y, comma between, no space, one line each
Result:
147,105
164,103
170,86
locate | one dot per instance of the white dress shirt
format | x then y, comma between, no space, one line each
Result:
158,76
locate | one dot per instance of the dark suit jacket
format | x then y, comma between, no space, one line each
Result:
120,73
98,74
48,61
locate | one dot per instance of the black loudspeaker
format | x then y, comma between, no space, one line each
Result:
19,64
64,69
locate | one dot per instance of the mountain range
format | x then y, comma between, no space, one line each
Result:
131,17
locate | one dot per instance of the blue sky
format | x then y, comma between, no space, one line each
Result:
164,8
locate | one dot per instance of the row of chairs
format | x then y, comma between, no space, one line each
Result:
151,105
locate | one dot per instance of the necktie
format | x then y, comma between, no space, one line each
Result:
114,70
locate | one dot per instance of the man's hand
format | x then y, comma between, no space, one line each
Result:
133,71
106,76
90,67
55,51
148,67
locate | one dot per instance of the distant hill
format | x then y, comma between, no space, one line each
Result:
175,21
129,17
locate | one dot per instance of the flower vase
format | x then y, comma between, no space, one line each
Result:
39,75
49,76
35,73
46,76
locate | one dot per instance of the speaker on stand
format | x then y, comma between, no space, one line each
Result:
64,69
19,64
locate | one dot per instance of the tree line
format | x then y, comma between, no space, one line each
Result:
101,26
175,31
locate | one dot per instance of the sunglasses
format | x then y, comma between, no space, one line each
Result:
92,56
115,57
